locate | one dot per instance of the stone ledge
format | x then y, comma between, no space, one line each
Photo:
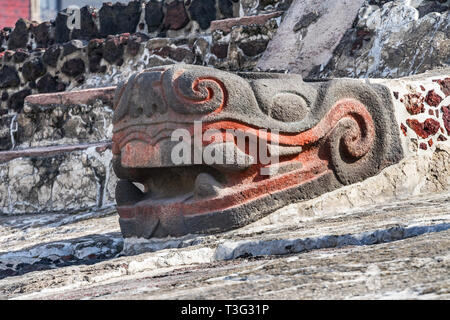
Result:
86,96
66,179
227,24
49,151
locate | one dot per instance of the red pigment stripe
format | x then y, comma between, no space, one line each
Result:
50,151
72,97
227,24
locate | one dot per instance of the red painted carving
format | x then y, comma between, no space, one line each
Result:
358,139
330,140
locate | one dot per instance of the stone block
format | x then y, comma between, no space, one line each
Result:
309,33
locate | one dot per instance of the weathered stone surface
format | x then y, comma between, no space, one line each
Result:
42,35
119,18
308,35
135,43
114,48
226,8
227,24
48,120
9,77
56,182
73,46
203,11
48,84
231,35
95,54
33,69
88,28
154,15
62,32
5,134
311,115
194,267
392,40
422,125
73,67
176,16
20,55
258,7
19,36
16,100
51,55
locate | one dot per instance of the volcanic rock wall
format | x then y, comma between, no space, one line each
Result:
57,146
120,39
393,39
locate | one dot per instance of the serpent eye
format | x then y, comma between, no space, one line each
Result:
288,107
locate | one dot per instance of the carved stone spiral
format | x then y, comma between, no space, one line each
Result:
195,94
351,142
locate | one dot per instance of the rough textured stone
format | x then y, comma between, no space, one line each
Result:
51,55
95,54
226,8
64,182
203,11
445,86
42,35
134,44
19,36
154,15
119,18
88,28
48,84
9,77
16,100
5,135
314,39
62,32
227,24
395,41
73,46
73,67
425,129
387,252
33,69
51,122
176,16
20,56
248,33
446,118
433,99
114,48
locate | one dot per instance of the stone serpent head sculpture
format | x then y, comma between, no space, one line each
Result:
274,139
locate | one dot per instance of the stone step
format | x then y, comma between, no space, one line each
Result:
228,24
59,118
65,118
61,179
366,237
